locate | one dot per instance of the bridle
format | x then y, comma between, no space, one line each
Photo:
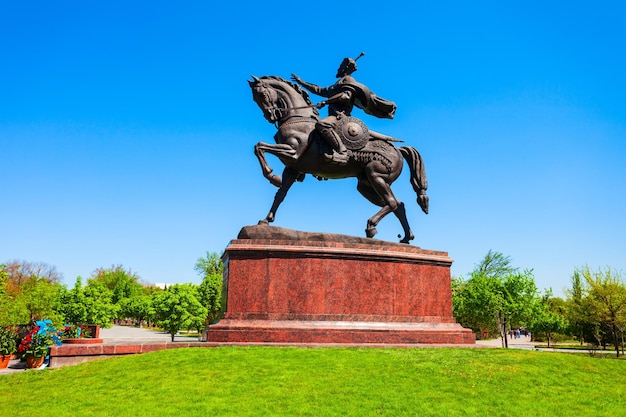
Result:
282,113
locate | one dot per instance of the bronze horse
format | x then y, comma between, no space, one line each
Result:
375,166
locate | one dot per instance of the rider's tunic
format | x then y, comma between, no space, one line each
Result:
358,95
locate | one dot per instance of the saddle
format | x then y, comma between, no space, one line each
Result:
354,133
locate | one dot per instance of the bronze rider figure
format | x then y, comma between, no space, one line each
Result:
341,97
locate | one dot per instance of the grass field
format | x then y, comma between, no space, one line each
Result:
262,381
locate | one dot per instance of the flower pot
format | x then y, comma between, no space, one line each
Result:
34,361
4,361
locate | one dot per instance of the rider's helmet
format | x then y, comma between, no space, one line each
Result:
347,67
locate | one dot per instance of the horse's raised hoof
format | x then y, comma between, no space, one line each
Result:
371,232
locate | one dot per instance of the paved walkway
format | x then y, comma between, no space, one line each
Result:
522,343
121,334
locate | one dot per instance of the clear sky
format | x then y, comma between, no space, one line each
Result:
127,128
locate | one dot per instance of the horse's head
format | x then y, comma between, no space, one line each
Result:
265,97
279,99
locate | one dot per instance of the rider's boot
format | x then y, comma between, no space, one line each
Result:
339,155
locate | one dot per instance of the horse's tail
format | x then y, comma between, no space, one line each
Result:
418,175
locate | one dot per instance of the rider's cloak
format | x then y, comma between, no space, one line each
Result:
367,101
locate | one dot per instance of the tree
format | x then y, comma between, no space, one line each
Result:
73,304
100,307
210,264
548,316
474,302
496,295
575,306
520,294
178,308
20,271
4,298
25,296
139,308
122,283
606,301
577,309
90,304
4,278
210,290
494,265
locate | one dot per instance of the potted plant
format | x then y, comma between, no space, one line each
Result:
8,346
74,331
34,346
79,334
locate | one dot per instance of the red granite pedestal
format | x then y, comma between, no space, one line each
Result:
285,286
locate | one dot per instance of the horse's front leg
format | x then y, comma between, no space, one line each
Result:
259,151
281,150
289,177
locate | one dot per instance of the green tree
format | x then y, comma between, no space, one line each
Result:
4,277
210,296
30,291
101,308
211,263
494,265
210,293
73,304
122,283
474,302
37,299
548,316
4,298
178,308
606,301
139,308
575,311
496,295
90,304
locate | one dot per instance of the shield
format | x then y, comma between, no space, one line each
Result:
353,133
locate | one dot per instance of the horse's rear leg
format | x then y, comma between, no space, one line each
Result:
289,177
400,213
378,192
373,197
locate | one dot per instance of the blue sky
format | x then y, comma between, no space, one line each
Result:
127,128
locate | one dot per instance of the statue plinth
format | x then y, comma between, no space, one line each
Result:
286,286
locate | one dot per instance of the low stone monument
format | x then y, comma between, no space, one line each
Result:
285,286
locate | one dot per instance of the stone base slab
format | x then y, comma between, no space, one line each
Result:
338,332
288,286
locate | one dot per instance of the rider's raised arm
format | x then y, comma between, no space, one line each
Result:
313,88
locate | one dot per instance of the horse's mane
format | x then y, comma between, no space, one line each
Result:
299,90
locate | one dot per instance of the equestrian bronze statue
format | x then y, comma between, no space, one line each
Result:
338,146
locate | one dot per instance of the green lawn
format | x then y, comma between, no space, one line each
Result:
263,381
